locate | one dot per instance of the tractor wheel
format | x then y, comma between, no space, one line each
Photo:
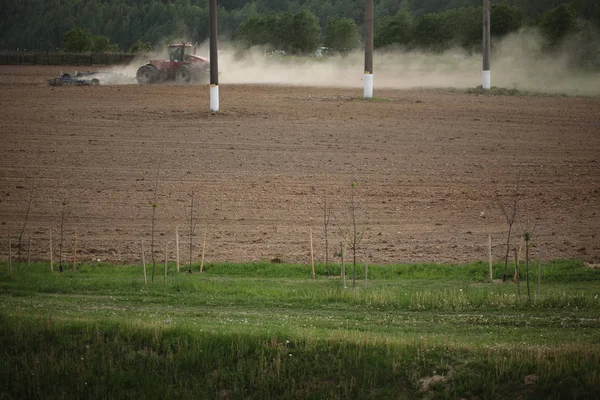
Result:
147,74
95,82
183,74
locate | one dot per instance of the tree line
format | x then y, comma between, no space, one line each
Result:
291,26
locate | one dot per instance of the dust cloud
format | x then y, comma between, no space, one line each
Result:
518,61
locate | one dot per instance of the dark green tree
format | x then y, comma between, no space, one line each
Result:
140,47
432,33
306,33
101,44
556,23
78,40
505,19
396,30
259,30
464,25
341,35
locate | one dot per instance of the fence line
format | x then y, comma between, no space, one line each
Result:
12,58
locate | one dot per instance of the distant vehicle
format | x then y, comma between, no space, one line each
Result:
181,67
322,52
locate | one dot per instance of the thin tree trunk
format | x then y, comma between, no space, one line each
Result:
505,277
517,273
24,225
312,257
75,250
202,256
343,250
366,270
177,247
29,251
51,253
354,250
152,240
191,229
144,265
539,280
527,269
9,254
490,258
166,260
62,237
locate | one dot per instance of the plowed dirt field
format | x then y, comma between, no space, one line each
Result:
431,170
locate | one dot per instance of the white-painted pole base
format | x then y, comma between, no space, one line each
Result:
368,79
214,98
486,80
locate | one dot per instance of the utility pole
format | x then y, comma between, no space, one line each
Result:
486,79
214,58
368,77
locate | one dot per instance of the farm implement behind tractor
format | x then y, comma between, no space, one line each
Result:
181,67
79,79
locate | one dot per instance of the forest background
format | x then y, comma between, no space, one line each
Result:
295,26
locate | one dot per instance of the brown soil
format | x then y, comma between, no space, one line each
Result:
428,166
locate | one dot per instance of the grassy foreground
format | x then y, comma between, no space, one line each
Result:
270,331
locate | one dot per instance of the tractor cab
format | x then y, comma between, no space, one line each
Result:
177,52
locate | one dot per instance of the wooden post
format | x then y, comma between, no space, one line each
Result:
9,254
486,74
214,56
144,265
490,258
177,247
203,246
166,260
312,254
368,76
29,251
75,251
51,253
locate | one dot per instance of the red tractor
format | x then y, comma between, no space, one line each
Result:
181,67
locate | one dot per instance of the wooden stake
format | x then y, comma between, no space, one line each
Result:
166,260
144,265
29,251
75,250
203,246
51,253
486,79
177,247
490,258
312,254
9,254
